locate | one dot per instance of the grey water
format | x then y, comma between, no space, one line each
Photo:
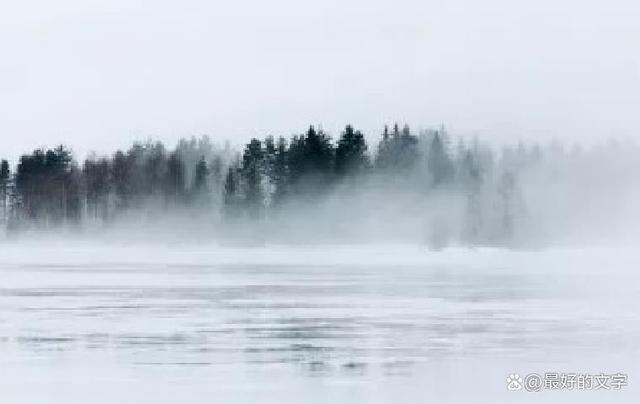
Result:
115,324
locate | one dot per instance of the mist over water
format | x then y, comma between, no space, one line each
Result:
373,201
430,188
422,268
122,323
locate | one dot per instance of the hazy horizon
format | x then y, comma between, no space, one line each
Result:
95,75
248,230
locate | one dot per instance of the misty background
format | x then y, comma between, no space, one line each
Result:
148,147
425,187
538,100
96,74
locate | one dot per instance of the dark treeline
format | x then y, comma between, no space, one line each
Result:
409,186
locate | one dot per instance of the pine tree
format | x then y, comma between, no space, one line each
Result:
397,152
280,174
174,179
383,160
252,174
121,179
155,167
438,161
351,153
311,162
97,182
202,176
48,185
269,164
201,191
471,182
5,177
231,191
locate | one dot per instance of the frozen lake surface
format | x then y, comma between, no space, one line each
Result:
203,324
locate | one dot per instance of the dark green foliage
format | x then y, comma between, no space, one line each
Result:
269,177
253,167
48,185
280,173
174,187
5,178
232,191
155,167
97,182
311,162
351,153
201,183
121,179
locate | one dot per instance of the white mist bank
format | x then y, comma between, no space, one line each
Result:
427,189
73,252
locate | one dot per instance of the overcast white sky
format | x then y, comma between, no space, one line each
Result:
98,74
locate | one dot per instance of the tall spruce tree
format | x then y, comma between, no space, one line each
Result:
5,177
96,173
439,162
201,192
174,181
351,153
398,151
252,175
280,173
311,162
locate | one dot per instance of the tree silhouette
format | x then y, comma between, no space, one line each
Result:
252,176
397,152
271,177
351,153
174,186
438,161
311,162
201,191
5,177
280,173
97,182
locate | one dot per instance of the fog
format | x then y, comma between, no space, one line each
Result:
543,87
430,188
364,201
